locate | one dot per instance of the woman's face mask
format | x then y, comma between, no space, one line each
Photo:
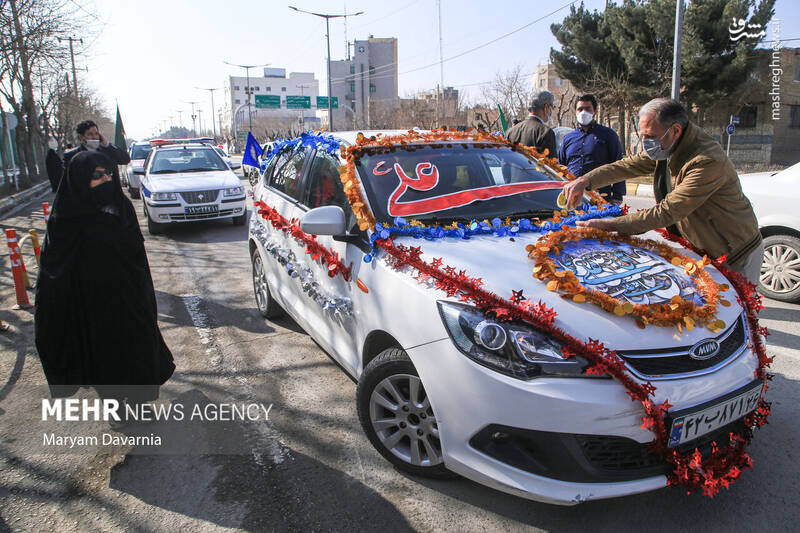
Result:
101,187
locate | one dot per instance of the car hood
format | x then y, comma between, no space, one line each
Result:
504,266
193,181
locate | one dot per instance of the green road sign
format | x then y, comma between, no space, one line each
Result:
298,102
268,101
322,102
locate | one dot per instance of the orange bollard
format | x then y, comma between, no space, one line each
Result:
46,211
16,269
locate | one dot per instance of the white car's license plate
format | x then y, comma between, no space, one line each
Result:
201,209
689,424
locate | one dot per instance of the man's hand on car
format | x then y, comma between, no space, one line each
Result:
574,190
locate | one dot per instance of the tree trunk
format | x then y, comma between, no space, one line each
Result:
3,138
623,123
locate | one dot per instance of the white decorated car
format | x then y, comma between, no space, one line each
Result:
774,196
189,182
410,265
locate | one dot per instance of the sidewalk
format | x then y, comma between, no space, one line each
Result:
639,189
10,202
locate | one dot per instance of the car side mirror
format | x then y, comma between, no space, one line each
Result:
325,220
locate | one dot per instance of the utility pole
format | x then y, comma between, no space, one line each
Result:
194,118
213,124
180,118
302,112
441,60
676,58
328,18
247,89
72,56
200,121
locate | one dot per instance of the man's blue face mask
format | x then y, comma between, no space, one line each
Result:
653,149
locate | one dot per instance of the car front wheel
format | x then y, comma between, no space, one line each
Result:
780,270
153,227
397,416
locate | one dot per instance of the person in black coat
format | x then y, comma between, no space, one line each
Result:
90,140
95,318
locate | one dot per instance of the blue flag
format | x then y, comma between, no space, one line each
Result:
251,152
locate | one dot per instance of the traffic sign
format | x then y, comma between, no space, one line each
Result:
298,102
322,102
734,120
731,129
268,101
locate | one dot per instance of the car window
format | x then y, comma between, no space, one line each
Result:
269,170
172,161
286,178
140,151
325,186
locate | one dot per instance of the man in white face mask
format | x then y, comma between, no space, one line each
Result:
697,190
90,138
534,131
591,145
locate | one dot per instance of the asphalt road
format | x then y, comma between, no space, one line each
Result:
310,467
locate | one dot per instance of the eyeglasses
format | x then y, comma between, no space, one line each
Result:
98,174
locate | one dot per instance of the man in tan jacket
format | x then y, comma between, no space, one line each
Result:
703,200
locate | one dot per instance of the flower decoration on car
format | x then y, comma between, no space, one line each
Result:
633,270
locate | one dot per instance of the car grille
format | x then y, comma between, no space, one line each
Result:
200,197
201,216
622,454
675,362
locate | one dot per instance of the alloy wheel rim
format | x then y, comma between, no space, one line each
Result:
403,420
780,270
259,283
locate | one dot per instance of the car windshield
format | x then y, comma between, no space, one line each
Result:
186,160
140,151
461,181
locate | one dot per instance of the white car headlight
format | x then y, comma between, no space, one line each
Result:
512,348
233,191
164,196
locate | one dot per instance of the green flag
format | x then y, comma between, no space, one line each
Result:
503,122
119,133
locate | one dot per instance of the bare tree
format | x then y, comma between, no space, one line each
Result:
509,90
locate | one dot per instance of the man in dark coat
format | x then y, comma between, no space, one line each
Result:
95,319
91,139
534,131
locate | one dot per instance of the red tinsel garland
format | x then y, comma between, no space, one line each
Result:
313,248
723,466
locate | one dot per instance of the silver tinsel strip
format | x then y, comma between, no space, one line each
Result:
333,306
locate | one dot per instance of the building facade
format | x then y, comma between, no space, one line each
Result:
273,83
366,85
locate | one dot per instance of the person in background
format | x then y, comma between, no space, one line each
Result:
54,167
534,131
95,316
701,201
591,145
91,139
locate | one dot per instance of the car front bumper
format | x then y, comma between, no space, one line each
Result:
549,439
179,211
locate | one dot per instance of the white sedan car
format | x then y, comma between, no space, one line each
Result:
187,182
775,197
444,387
139,152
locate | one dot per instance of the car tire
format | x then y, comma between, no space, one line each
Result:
780,269
403,429
240,220
134,192
266,304
153,228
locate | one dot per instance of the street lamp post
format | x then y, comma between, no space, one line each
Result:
213,124
248,90
328,18
302,112
194,118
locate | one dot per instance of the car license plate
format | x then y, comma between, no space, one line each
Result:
201,209
689,424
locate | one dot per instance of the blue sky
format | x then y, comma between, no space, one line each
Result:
150,54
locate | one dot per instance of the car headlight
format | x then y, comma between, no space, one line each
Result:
233,191
512,348
164,196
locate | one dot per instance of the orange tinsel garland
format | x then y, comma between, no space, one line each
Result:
678,312
389,143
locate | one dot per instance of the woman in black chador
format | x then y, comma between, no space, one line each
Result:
95,318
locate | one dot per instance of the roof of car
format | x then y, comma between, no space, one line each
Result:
182,146
349,137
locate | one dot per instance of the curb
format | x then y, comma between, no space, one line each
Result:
7,204
640,189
